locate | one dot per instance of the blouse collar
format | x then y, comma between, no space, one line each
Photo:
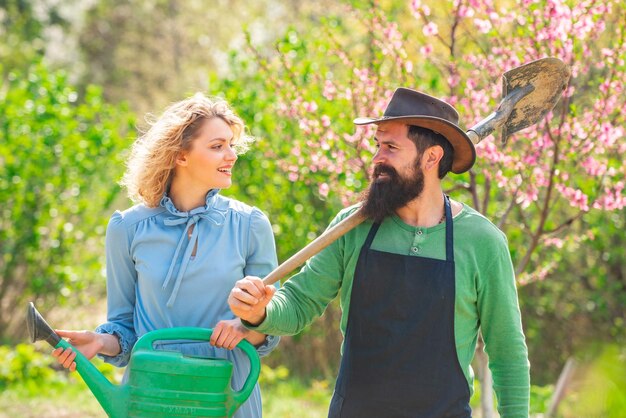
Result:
209,202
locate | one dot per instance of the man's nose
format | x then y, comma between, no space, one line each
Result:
379,157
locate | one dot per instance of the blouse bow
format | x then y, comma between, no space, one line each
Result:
190,218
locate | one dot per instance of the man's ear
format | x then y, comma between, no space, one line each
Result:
431,158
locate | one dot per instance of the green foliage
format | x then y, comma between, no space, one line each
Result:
600,389
26,367
271,376
540,397
585,299
34,373
60,157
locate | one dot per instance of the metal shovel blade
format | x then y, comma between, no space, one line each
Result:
549,77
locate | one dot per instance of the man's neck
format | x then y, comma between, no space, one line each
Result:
425,211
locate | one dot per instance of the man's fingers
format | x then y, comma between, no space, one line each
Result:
253,285
245,296
269,291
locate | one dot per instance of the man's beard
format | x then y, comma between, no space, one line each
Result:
384,196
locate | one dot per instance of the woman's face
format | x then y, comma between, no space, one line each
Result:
210,159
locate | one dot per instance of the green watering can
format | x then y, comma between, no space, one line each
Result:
161,383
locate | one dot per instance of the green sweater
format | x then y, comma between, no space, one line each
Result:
486,295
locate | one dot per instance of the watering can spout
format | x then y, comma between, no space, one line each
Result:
110,396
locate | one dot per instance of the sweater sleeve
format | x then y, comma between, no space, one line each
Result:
305,296
501,328
121,281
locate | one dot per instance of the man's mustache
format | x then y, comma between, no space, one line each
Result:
384,169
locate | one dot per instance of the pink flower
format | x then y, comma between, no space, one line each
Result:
426,50
554,242
329,90
483,26
323,189
430,29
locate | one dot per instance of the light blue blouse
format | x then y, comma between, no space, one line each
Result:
155,280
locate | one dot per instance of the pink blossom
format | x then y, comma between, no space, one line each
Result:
323,189
483,26
553,242
430,29
310,106
426,50
594,167
329,90
576,197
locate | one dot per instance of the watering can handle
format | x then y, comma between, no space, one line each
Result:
204,334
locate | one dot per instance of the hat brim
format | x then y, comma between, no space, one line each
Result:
464,151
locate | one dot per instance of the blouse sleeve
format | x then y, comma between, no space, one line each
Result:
261,261
121,281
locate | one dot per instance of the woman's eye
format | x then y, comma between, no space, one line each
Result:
216,146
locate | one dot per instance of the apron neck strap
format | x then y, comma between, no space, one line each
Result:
449,231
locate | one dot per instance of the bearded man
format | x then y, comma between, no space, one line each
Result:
417,280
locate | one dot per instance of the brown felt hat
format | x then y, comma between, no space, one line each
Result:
419,109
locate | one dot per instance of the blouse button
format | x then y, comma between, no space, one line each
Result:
414,249
419,232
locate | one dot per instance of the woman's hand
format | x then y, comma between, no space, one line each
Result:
228,333
87,342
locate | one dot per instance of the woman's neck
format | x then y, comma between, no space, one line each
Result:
186,198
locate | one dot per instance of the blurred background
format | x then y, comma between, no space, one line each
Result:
79,77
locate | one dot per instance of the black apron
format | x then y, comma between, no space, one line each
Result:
400,355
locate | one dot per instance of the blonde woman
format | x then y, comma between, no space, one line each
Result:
174,256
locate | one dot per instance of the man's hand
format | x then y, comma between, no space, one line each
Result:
249,298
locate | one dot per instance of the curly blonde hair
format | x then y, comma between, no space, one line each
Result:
153,155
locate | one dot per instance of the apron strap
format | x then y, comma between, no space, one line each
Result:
449,233
370,236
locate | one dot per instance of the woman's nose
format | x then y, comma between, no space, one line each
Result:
231,155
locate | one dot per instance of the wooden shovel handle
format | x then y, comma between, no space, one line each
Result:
317,245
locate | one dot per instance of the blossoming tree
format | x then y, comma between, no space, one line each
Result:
543,181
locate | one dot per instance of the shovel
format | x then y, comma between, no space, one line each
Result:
529,92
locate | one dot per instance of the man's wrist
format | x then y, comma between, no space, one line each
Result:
255,320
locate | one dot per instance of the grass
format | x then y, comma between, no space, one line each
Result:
281,399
